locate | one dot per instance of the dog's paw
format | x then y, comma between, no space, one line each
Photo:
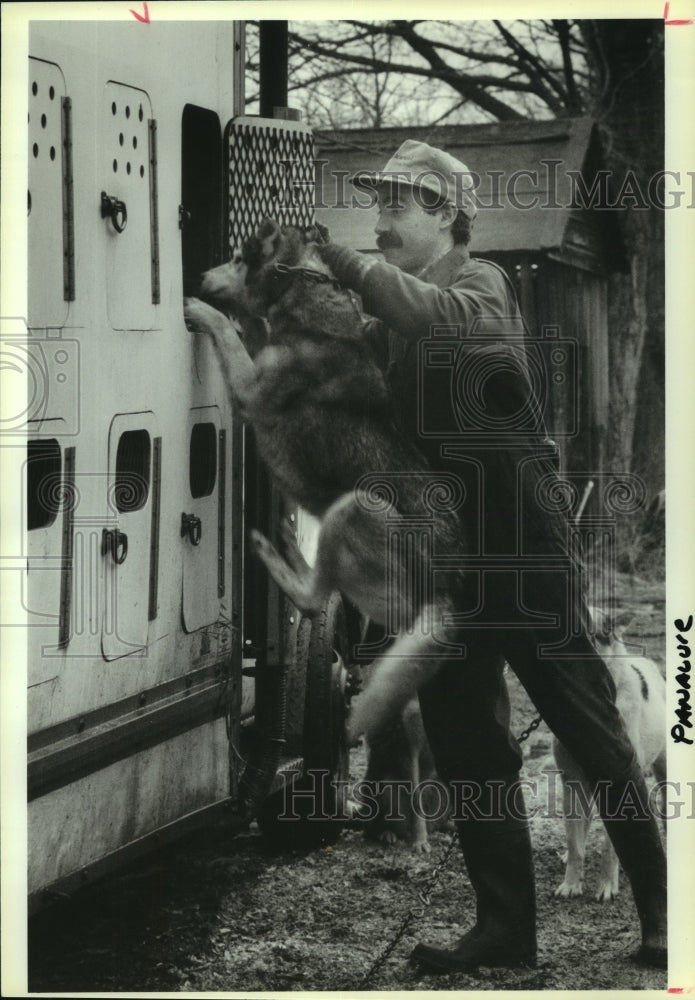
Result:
421,847
569,890
277,567
387,837
200,317
607,891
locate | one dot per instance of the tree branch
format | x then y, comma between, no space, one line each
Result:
474,54
574,104
536,71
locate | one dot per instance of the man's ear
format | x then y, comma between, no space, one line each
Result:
447,214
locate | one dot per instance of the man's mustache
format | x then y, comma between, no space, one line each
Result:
387,242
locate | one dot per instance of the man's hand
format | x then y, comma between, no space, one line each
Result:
317,233
348,266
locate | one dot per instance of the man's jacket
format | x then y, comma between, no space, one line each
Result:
452,344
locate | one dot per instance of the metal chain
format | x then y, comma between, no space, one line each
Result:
532,726
417,912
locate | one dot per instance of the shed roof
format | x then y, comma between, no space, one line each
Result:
518,163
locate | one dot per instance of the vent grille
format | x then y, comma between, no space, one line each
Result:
271,175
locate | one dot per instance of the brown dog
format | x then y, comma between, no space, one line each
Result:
322,418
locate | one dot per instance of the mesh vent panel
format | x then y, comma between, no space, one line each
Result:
271,175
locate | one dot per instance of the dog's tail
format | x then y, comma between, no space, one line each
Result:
412,660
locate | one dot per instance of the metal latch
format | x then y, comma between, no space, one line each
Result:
191,526
114,209
115,542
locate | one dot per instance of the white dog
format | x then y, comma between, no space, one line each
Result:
640,699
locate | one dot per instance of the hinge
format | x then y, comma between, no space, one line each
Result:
154,211
68,203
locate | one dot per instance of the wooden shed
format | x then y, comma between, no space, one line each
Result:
539,217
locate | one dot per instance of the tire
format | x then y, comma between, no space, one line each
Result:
314,803
296,691
325,746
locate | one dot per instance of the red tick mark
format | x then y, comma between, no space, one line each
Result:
666,21
145,18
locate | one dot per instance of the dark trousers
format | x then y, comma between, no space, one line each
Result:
465,709
466,706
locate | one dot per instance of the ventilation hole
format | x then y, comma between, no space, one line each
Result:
115,166
43,470
132,471
53,152
35,150
203,460
51,92
135,142
127,168
43,121
127,111
113,108
28,202
140,113
120,139
34,89
142,171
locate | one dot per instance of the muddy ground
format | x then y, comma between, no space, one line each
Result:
215,914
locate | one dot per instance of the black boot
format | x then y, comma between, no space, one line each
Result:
500,866
637,842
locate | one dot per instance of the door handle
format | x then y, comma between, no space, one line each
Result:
114,209
193,527
115,542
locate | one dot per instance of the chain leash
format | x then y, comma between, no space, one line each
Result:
425,894
532,726
414,913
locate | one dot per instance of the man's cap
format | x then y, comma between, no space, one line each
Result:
421,166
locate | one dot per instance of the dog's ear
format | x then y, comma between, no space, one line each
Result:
622,622
269,234
262,246
601,625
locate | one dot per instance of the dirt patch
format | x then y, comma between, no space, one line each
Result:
218,914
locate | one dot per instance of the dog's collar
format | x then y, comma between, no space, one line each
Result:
319,277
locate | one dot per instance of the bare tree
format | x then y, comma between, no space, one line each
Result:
475,71
376,73
626,96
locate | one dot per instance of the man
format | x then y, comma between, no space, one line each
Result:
522,602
